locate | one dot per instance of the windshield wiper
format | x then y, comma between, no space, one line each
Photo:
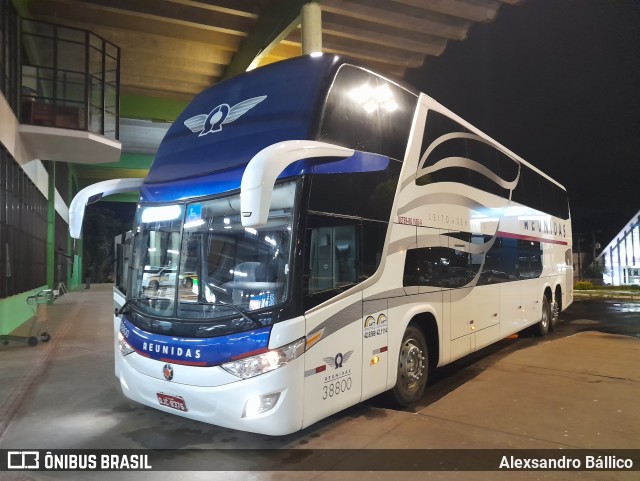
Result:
236,308
121,311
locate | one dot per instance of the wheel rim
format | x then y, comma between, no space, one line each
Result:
412,366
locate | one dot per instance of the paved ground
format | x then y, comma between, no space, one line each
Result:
577,388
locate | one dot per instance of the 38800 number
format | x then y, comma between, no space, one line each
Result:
334,388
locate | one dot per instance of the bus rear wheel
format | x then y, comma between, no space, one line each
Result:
542,327
413,368
556,307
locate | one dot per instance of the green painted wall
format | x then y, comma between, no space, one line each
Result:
131,161
14,311
150,108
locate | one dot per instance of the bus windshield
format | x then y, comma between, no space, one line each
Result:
197,261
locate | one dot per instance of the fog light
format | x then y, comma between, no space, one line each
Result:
260,405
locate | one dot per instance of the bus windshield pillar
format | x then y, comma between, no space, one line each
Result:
264,168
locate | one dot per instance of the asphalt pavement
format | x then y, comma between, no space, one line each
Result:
577,388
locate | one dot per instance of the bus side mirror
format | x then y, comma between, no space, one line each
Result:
264,168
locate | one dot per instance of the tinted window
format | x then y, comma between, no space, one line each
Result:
511,260
332,257
507,260
438,267
368,113
360,194
462,151
532,190
541,194
373,236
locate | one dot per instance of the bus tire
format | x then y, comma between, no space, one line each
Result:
413,368
542,327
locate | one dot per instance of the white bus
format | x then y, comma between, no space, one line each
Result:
343,235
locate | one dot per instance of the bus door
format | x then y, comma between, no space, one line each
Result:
333,361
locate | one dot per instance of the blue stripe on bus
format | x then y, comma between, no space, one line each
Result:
199,352
229,180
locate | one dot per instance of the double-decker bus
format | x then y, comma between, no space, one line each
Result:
332,235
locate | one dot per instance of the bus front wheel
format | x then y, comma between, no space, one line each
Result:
413,368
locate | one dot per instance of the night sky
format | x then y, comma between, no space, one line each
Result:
558,83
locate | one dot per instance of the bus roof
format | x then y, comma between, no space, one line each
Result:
227,124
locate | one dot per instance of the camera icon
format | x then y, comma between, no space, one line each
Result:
23,460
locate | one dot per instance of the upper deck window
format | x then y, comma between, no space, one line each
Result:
369,113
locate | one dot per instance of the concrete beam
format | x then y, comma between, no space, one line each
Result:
468,10
175,13
272,26
93,18
449,28
141,60
390,36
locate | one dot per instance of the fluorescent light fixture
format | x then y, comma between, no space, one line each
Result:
158,214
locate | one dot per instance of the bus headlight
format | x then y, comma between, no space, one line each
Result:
125,348
265,362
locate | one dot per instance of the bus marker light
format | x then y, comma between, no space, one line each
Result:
375,360
315,338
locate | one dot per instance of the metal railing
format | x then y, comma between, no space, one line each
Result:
70,79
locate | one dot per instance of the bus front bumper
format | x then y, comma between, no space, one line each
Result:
234,405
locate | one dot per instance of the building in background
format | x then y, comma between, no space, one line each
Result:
621,257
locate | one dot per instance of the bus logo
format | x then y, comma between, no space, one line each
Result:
338,360
220,115
167,371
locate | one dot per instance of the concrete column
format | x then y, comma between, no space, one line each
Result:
311,28
51,226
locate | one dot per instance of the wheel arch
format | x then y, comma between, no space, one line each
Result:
548,294
424,318
557,296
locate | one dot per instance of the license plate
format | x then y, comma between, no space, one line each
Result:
174,402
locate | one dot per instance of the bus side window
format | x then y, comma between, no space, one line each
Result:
321,262
333,258
332,261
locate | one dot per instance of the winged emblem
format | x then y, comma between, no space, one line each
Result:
220,115
337,361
